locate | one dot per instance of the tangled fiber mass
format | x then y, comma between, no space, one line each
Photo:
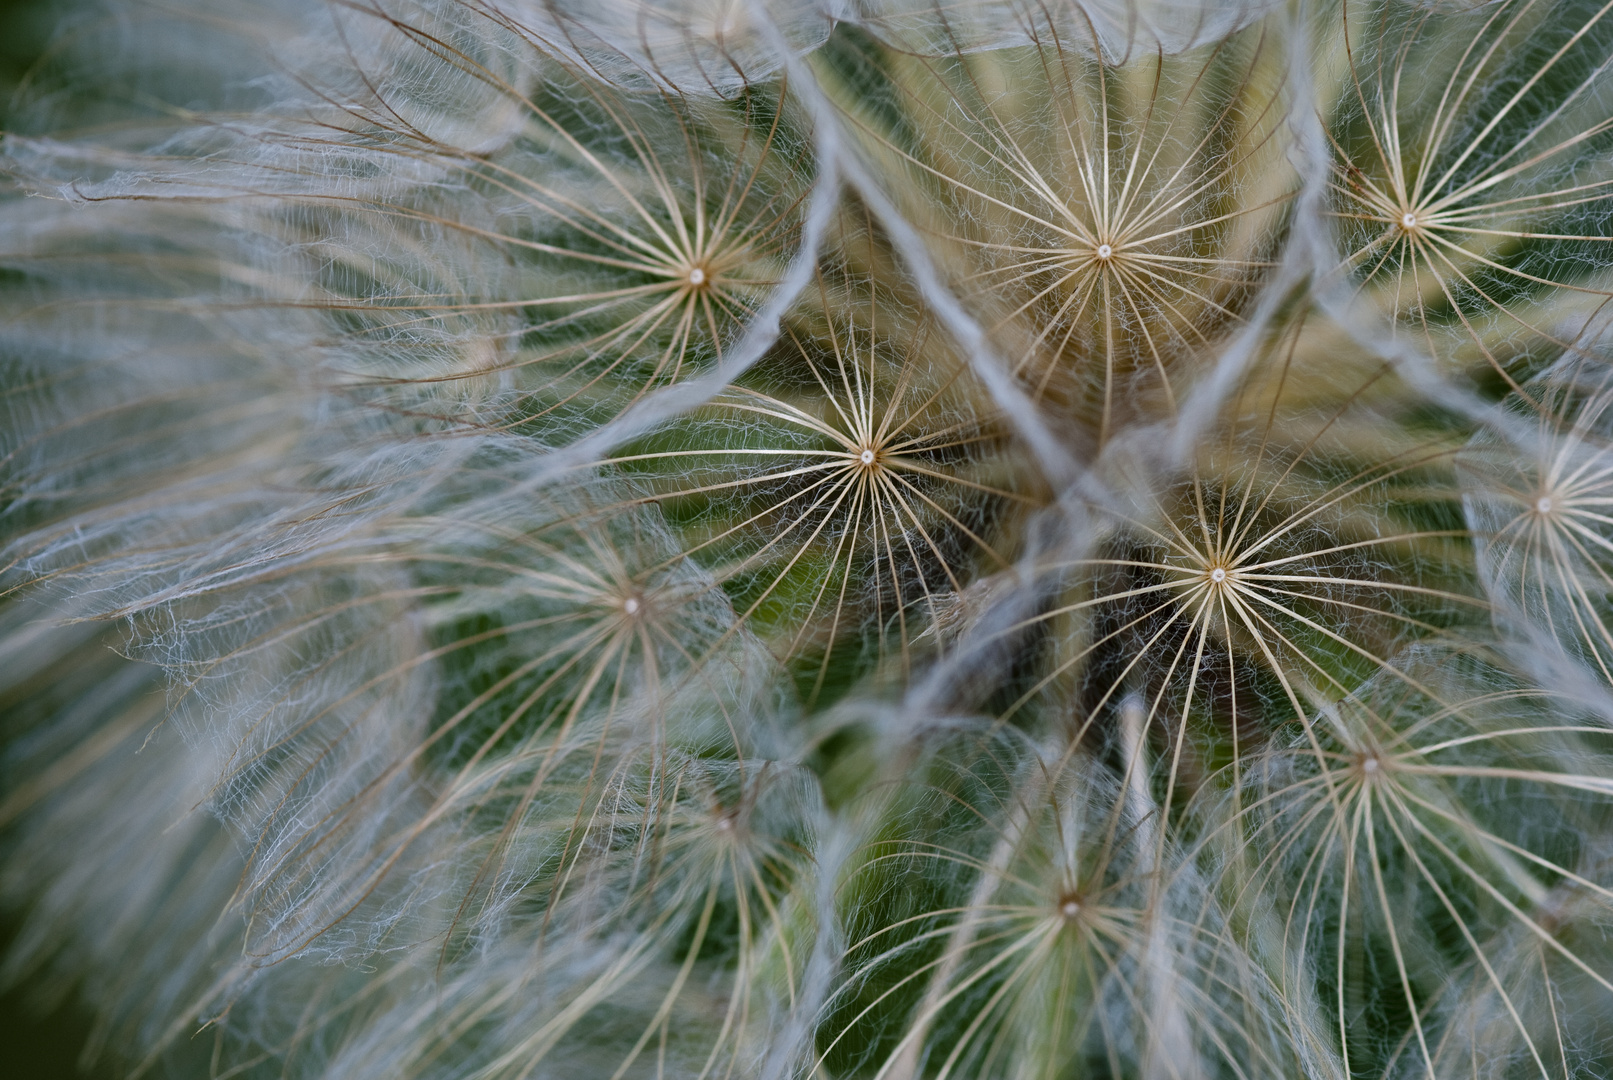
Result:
882,539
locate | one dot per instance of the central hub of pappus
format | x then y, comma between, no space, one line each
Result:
1069,907
1410,223
697,276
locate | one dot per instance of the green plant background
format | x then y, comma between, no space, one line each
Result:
41,1040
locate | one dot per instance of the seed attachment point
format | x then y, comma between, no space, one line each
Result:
1543,505
1104,252
1408,221
697,277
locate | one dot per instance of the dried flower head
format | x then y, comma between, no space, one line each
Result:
864,539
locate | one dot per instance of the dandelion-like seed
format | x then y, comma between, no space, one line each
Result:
1103,252
1344,817
1277,574
861,505
1003,967
1541,510
1473,212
